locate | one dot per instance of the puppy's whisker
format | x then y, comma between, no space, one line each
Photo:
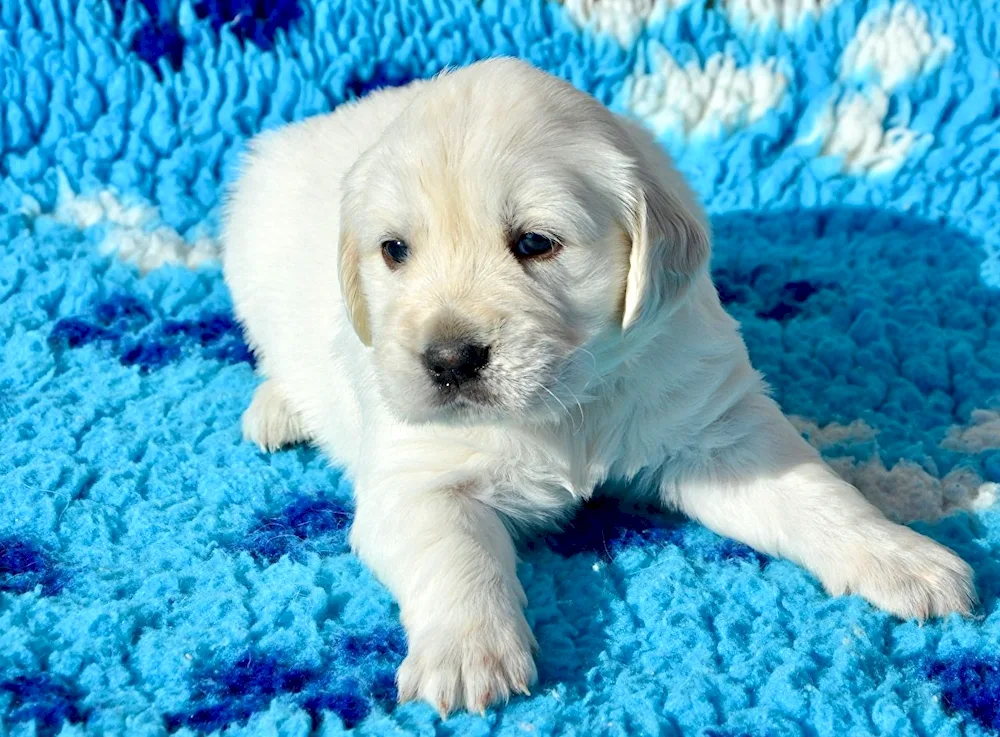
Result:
593,359
595,373
562,404
576,399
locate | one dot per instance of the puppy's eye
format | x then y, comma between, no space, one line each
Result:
534,245
394,252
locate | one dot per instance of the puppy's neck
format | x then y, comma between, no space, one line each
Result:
686,362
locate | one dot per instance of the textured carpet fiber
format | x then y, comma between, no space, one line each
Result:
158,575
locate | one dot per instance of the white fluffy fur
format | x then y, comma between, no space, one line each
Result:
614,359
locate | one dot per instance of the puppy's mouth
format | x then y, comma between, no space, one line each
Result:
468,384
495,397
466,399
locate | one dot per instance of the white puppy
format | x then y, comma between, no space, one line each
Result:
484,295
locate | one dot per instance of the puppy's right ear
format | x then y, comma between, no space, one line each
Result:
349,262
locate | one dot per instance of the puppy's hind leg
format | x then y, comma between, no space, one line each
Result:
270,422
772,491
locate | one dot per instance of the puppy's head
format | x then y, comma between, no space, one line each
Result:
504,225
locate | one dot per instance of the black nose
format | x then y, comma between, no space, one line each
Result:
454,362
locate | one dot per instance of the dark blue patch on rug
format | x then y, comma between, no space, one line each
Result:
970,685
123,312
346,699
231,692
214,336
307,518
730,550
23,566
380,643
134,333
217,335
110,319
376,655
45,699
155,41
257,21
383,75
74,332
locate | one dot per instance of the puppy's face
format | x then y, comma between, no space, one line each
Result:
488,241
483,274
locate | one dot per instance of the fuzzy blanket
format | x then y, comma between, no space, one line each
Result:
158,575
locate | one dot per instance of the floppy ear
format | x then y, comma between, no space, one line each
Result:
669,232
349,266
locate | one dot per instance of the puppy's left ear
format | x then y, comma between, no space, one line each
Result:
349,266
669,231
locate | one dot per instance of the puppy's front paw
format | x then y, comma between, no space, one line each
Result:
907,574
269,422
470,666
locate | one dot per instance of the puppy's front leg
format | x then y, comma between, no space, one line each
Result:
772,491
451,564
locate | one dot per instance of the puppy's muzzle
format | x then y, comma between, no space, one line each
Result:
453,363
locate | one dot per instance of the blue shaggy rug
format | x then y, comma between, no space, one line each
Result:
160,576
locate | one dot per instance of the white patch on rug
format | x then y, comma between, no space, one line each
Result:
892,45
786,14
134,233
702,101
854,128
621,19
982,433
907,493
829,435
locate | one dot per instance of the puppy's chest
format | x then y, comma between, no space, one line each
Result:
555,471
623,443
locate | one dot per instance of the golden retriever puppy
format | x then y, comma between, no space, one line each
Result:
484,295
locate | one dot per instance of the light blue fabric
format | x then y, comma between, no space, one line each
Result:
159,575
